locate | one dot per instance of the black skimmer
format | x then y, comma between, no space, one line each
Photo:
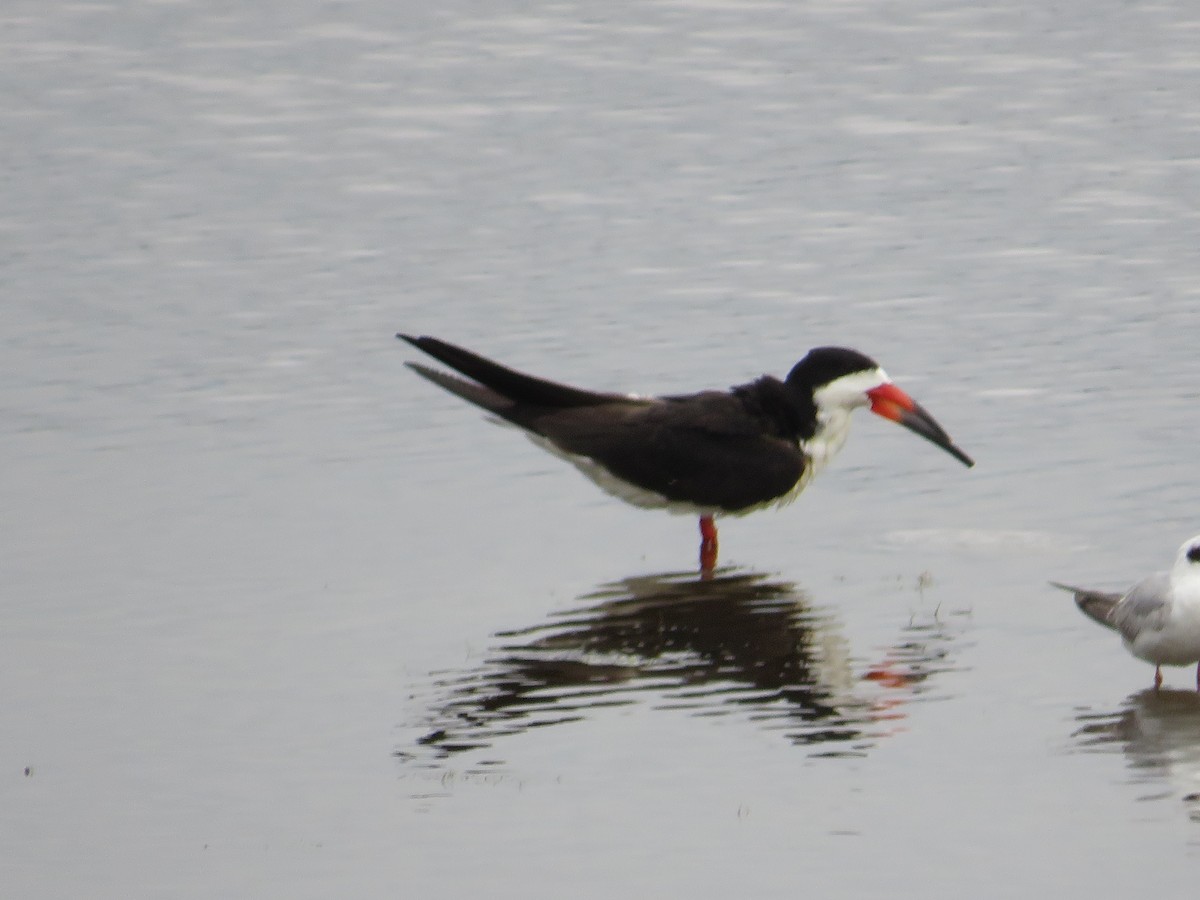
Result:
708,454
1159,617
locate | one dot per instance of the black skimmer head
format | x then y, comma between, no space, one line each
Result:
711,453
840,380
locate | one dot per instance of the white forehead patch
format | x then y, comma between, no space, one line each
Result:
849,391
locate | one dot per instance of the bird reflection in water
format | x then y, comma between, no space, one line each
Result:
1158,731
731,643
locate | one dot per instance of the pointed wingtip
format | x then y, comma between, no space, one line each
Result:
407,337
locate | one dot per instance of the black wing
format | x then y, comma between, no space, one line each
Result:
704,449
713,449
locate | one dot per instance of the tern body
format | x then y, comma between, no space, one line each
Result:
716,452
1159,617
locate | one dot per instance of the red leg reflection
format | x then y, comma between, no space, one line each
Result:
708,544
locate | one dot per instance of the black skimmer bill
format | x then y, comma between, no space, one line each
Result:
1159,617
707,454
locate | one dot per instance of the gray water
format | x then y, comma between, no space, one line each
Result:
278,619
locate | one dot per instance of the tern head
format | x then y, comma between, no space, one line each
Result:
1187,561
841,380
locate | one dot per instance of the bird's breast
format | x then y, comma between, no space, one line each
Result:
832,429
1173,640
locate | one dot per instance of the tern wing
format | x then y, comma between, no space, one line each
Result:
1147,605
1096,605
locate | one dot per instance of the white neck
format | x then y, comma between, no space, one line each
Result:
835,402
833,425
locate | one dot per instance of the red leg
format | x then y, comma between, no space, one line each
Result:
708,544
1157,677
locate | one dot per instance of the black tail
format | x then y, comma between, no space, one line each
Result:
509,384
1096,605
481,396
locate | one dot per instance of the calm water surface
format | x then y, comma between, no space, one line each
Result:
280,620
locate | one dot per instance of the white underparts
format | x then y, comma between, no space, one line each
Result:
818,451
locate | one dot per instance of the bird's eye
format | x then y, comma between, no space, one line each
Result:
1193,553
